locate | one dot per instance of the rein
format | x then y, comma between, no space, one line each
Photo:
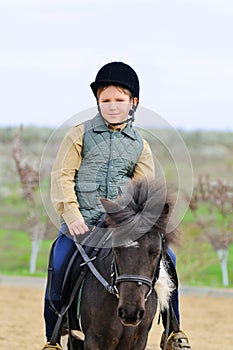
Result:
116,278
88,262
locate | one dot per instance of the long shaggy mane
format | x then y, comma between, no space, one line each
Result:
144,204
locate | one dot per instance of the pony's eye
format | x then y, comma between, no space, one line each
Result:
116,251
153,252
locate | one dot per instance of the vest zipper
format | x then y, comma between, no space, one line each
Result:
109,165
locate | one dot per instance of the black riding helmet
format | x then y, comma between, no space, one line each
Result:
117,73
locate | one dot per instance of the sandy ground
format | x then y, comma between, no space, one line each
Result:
208,320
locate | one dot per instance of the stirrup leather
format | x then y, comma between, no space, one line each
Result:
49,346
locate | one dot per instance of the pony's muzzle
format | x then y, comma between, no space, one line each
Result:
130,315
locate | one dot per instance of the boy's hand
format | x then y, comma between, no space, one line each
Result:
78,227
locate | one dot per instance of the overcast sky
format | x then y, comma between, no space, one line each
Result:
182,51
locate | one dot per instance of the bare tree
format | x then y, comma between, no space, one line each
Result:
217,226
29,179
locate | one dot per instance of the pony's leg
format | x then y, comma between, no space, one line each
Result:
139,345
105,342
75,344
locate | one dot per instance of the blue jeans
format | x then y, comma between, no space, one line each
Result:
63,251
175,296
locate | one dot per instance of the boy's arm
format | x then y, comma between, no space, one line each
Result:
145,164
68,160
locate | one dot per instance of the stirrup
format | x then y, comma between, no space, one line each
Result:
50,346
176,341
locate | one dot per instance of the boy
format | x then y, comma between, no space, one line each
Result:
95,159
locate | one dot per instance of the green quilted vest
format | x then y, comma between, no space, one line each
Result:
108,162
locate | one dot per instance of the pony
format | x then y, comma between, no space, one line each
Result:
125,284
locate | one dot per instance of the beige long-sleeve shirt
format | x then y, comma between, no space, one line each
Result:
66,164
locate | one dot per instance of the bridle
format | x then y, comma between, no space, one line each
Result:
116,279
139,279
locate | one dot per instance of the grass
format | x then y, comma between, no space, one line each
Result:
15,250
198,265
197,262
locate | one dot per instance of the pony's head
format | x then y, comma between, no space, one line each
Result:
139,218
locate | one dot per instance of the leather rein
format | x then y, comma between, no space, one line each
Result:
116,279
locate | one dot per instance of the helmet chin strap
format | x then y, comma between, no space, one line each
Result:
130,115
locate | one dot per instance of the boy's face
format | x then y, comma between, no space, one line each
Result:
114,104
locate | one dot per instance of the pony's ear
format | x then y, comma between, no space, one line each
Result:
110,206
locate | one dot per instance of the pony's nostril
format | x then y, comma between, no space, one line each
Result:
141,314
121,312
130,315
